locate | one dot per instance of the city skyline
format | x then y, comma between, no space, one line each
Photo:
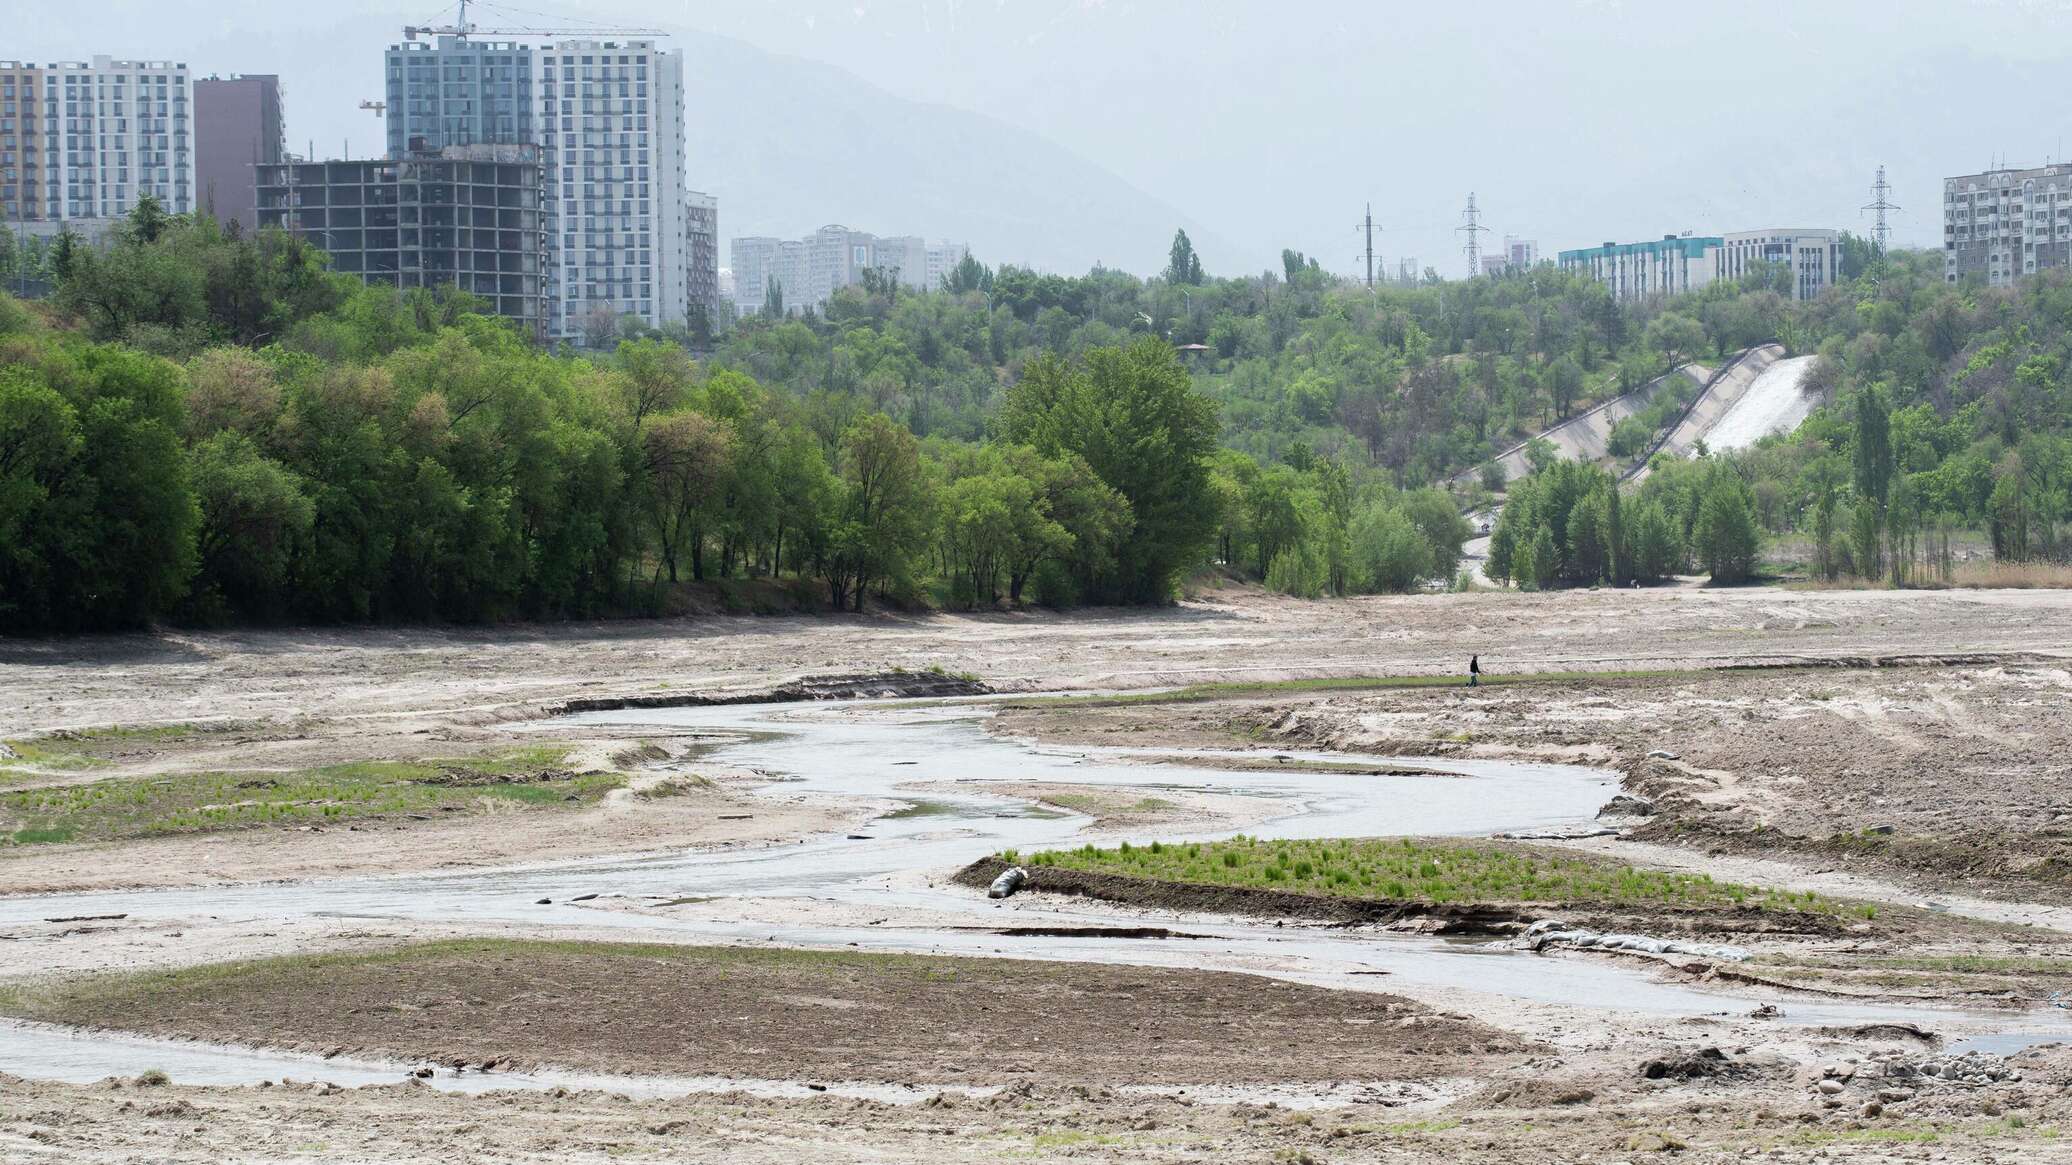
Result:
1559,181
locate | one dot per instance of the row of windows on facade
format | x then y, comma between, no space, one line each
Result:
107,107
630,109
112,81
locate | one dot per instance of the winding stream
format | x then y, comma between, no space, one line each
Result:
870,750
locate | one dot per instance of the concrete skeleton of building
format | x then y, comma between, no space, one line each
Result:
238,125
809,271
1675,264
2002,224
471,216
82,142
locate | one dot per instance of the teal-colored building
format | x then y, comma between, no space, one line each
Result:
1670,265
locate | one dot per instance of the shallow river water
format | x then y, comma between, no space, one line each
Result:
899,864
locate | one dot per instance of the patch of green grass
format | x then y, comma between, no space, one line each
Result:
214,801
75,749
1408,870
48,754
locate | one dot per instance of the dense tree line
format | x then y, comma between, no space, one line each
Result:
212,426
209,427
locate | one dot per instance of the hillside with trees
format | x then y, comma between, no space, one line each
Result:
205,427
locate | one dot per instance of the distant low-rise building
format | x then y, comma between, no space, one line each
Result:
2002,224
1670,265
1814,256
809,271
470,216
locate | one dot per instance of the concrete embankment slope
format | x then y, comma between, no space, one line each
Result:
1587,436
1725,391
1773,404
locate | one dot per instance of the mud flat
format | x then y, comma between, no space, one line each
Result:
778,1014
1939,776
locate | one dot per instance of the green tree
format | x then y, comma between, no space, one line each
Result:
1183,265
969,275
883,519
1389,552
1726,537
1546,562
1133,415
1676,337
253,514
1872,462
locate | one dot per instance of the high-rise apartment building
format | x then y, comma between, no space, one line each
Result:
1814,256
1670,265
611,122
810,270
237,126
470,216
2006,223
1521,254
21,142
452,91
608,118
701,247
87,140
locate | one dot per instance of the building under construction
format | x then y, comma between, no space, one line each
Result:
466,215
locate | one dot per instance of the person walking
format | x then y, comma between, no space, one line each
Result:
1474,671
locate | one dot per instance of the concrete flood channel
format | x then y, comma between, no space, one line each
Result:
901,861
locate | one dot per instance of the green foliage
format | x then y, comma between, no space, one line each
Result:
1184,266
1132,415
1725,539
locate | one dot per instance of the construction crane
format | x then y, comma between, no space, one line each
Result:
380,108
461,28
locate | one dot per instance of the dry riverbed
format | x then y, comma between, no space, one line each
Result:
1942,780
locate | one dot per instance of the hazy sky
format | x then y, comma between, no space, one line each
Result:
1274,121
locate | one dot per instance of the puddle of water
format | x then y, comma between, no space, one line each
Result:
2008,1043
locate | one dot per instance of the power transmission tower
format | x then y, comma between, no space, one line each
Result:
1881,202
1367,225
1471,226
